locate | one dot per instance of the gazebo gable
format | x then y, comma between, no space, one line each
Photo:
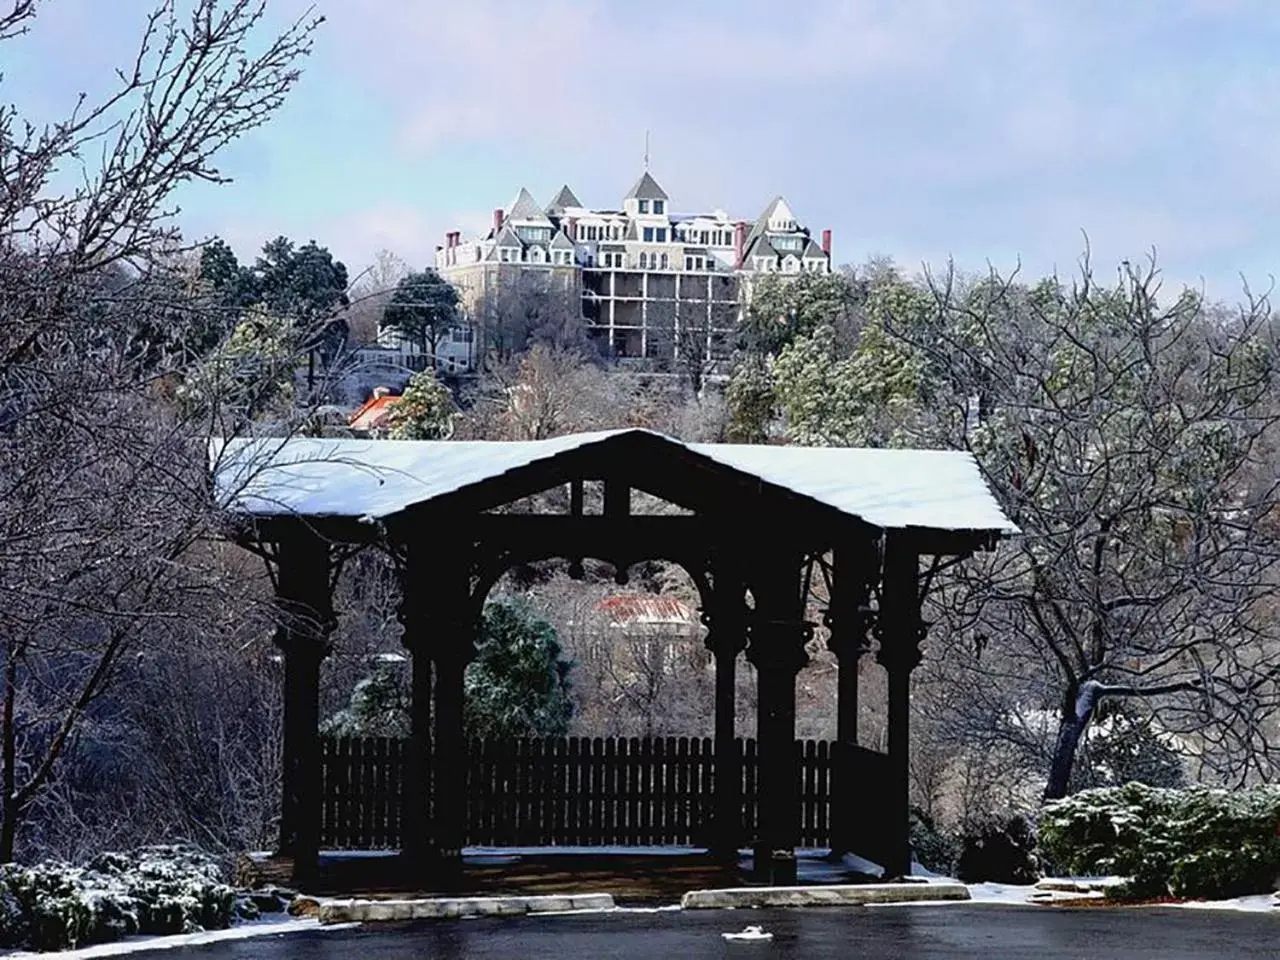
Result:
934,495
645,462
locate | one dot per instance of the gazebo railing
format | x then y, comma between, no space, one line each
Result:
580,791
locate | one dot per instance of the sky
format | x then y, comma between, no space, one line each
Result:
992,132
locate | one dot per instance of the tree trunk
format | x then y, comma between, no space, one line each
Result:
1077,711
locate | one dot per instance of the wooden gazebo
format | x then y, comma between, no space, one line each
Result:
749,522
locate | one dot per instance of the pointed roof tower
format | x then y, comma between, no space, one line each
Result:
646,188
563,200
525,208
777,210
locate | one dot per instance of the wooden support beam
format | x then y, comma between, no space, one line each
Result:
453,623
778,634
575,510
417,847
617,508
305,619
725,614
855,574
901,629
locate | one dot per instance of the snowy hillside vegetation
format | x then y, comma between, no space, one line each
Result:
155,890
1191,843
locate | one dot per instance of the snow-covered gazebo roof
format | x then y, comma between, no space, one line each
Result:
371,480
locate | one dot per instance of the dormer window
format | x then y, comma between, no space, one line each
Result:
642,206
659,206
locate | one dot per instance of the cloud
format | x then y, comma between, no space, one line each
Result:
991,130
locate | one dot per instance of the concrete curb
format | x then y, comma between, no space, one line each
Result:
453,908
847,895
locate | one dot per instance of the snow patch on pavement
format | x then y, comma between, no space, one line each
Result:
273,926
1257,903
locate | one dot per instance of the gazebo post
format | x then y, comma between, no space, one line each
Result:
416,847
855,570
778,635
305,602
452,649
726,638
901,629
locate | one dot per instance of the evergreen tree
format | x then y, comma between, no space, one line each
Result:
379,707
518,685
424,308
425,411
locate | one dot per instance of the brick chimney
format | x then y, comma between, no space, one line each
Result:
826,242
497,220
739,244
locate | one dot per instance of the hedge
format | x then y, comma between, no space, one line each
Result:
1190,843
156,890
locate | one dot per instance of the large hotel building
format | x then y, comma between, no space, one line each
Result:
649,282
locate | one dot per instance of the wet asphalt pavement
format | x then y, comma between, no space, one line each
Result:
900,933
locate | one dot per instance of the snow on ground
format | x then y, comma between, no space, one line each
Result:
273,926
1001,893
1258,903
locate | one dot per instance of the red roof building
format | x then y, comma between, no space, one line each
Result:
374,416
650,612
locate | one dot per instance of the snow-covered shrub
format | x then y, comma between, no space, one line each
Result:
54,906
57,909
999,848
1196,842
933,848
178,889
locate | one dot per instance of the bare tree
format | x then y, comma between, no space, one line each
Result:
525,309
544,393
103,499
1133,442
370,291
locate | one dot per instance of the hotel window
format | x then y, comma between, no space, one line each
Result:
660,234
688,263
644,261
702,237
643,206
647,234
664,261
659,206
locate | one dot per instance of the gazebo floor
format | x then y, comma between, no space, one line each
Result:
659,876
